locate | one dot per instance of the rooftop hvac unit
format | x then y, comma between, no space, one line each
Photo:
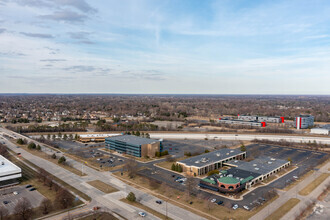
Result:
197,161
227,153
255,165
269,162
256,168
212,179
231,151
218,154
230,175
2,163
272,159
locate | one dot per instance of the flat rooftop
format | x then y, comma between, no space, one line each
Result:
132,139
261,165
97,135
211,157
7,167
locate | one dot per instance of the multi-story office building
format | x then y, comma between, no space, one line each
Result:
271,119
303,121
134,145
9,172
241,122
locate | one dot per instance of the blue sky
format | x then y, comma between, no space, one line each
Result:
159,46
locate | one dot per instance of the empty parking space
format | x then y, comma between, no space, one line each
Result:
9,197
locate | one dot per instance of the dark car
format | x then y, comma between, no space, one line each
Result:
191,202
28,186
32,189
220,202
173,175
6,202
159,202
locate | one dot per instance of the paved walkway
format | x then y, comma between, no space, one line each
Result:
284,196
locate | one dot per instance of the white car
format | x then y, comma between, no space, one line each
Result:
295,177
142,214
213,200
235,206
15,193
246,207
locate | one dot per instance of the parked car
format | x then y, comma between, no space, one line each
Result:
295,177
15,193
142,214
220,202
246,207
28,186
32,189
235,206
6,202
159,202
213,200
173,175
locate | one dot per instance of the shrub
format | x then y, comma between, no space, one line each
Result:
207,151
32,146
61,160
243,148
20,141
131,197
54,156
38,147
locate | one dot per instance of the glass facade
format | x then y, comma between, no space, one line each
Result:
123,147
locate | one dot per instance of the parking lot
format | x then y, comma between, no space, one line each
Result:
9,200
302,158
179,147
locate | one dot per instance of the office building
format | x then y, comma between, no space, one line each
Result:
324,130
241,122
134,145
204,163
303,121
243,174
9,172
270,119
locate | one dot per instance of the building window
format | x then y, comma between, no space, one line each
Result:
230,187
222,186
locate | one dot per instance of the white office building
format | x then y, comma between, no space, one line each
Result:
9,172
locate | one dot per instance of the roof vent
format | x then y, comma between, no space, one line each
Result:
2,163
231,151
197,161
212,179
230,175
269,162
218,154
227,153
272,158
254,164
256,168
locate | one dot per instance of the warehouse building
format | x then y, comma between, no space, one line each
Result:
303,121
204,163
9,172
271,119
243,174
94,137
325,130
134,145
241,122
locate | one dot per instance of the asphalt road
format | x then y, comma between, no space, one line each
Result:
243,137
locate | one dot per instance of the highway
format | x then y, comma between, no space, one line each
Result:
243,137
110,201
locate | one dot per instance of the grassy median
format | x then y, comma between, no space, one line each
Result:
106,188
285,208
310,187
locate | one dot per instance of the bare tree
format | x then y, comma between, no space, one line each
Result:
131,167
3,213
3,151
46,206
23,209
64,199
